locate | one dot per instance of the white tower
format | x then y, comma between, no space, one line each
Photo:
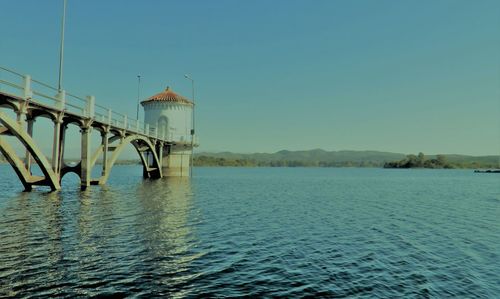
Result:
172,114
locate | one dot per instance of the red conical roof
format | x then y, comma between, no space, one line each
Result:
168,95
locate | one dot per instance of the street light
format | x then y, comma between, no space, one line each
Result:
192,123
138,95
61,48
192,91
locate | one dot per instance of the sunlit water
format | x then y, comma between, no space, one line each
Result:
286,232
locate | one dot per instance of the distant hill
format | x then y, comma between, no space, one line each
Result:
322,158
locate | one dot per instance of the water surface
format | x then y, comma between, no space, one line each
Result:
286,232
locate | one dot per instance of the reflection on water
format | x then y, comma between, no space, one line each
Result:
92,242
231,232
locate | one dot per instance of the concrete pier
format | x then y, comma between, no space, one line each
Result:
157,150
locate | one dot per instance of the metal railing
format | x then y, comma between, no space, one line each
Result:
38,92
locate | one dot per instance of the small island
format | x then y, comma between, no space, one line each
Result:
421,161
441,162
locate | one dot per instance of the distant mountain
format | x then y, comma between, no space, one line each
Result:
319,157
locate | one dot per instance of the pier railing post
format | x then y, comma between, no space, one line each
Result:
61,99
125,122
91,106
27,92
110,117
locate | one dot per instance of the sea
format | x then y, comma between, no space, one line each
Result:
255,232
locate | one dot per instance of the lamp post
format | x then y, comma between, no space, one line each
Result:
61,48
138,95
192,124
192,91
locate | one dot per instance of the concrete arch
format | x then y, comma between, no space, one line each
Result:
144,148
76,169
27,179
35,112
117,132
102,128
9,105
70,120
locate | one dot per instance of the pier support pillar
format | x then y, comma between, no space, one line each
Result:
105,146
27,160
22,114
176,161
159,151
56,147
145,173
86,159
62,144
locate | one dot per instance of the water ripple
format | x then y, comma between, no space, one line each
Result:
335,233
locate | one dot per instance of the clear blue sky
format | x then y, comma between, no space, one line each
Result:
400,76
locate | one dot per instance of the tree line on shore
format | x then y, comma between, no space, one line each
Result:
410,161
241,162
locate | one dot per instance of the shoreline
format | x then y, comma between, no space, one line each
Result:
476,169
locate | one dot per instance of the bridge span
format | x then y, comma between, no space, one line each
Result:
30,99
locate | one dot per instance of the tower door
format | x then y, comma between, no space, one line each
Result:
163,127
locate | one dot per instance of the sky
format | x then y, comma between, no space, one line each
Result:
398,76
